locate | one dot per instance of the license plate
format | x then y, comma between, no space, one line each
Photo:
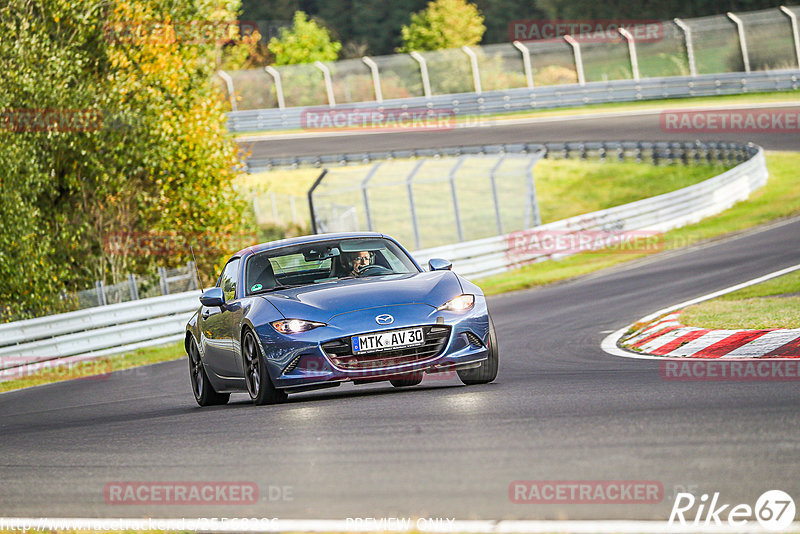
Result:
388,340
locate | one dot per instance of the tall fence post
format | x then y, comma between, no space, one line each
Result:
795,36
689,43
364,184
311,200
412,205
493,180
576,52
229,85
532,205
326,75
376,77
162,276
101,292
133,287
526,62
276,77
274,202
476,74
742,40
631,52
423,72
454,194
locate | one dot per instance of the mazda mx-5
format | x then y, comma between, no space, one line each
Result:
316,311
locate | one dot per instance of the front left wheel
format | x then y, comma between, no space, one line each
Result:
203,391
487,371
259,384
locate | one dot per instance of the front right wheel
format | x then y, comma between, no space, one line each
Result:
488,368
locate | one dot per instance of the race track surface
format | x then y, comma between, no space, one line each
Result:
561,409
630,127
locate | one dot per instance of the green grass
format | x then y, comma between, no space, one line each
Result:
642,105
778,199
771,304
98,367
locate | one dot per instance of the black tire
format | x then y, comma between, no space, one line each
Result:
408,380
203,391
259,384
487,371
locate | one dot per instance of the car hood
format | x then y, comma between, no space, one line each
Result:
321,302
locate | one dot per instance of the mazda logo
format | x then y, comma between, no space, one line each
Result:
384,319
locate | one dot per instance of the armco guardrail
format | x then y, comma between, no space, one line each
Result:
97,331
495,255
117,328
554,96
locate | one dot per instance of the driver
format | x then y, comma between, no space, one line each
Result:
355,261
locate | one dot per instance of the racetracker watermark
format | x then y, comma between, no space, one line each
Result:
193,32
533,242
377,119
50,370
730,370
169,243
50,120
770,120
773,510
586,30
181,493
585,492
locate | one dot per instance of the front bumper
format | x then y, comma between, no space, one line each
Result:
299,361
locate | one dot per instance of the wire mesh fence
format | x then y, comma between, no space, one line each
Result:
707,45
431,201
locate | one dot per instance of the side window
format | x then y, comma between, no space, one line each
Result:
227,281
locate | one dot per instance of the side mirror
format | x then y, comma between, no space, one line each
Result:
438,264
213,297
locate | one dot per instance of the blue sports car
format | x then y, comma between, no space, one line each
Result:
315,311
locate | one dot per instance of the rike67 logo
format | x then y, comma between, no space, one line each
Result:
774,510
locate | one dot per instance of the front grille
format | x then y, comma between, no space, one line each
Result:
341,355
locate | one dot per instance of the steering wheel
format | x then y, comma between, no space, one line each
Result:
373,270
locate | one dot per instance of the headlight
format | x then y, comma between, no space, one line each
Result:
459,304
294,326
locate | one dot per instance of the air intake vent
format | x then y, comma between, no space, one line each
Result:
289,368
474,340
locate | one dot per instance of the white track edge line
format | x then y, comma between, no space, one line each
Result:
609,343
339,525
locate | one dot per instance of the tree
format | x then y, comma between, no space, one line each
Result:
117,135
444,24
305,42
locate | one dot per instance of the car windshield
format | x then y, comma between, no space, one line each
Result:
325,261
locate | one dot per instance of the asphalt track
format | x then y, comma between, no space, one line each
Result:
561,409
640,126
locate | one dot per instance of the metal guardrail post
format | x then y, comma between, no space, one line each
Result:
376,77
631,52
229,84
493,180
133,287
687,40
476,74
576,52
326,75
453,193
276,77
364,195
311,200
409,188
742,40
526,62
423,72
793,18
